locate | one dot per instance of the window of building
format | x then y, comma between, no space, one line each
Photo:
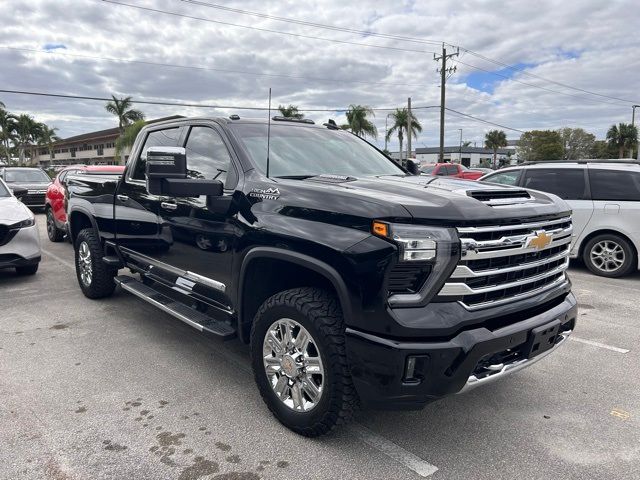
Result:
614,185
567,183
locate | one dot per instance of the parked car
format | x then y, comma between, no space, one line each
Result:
56,196
482,169
353,281
35,180
605,198
451,170
19,239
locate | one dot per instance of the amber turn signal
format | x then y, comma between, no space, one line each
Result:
380,228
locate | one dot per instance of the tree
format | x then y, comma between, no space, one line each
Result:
127,140
121,108
577,143
540,145
7,131
48,137
27,131
623,136
290,112
358,122
494,140
466,143
399,126
602,149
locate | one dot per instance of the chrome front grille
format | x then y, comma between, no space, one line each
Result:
505,263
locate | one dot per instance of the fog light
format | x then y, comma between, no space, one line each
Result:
415,368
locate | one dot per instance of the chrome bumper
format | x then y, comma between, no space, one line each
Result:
473,381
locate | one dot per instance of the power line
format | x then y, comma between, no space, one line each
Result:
213,69
297,35
482,120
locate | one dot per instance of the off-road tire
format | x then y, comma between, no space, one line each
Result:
102,284
53,232
319,312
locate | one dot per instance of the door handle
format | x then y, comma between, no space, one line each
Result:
122,198
169,206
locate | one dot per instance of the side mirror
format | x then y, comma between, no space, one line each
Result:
19,192
166,172
413,167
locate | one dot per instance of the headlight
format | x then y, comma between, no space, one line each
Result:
417,243
29,222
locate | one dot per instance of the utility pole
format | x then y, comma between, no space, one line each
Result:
409,128
443,79
633,122
460,148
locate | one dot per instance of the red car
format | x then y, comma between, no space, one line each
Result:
451,170
56,198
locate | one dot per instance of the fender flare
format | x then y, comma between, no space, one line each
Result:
85,212
302,260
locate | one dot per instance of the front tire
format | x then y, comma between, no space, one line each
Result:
94,276
299,361
609,255
53,232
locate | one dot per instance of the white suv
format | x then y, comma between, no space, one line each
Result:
605,198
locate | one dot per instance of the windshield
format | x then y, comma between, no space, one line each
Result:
4,192
303,151
26,176
428,170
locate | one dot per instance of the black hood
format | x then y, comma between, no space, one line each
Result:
419,199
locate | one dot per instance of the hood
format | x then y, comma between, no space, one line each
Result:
12,211
420,199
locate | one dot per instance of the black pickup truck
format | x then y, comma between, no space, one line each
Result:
353,280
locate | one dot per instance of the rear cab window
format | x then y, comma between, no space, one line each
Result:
566,183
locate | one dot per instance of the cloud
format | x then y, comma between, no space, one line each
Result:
589,44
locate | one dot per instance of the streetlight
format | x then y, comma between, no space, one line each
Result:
460,150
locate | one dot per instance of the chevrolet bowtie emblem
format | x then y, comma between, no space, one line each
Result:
540,241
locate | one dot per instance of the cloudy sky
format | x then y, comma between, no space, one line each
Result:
226,57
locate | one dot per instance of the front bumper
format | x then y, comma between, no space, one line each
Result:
22,250
472,358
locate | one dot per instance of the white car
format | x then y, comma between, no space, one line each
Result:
605,198
19,239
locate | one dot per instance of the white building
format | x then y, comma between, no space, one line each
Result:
467,156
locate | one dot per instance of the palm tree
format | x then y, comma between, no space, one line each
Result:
622,136
121,108
494,140
48,137
7,131
27,131
127,140
400,117
290,112
358,122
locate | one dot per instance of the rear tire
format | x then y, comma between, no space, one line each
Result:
27,270
53,232
94,276
609,255
313,350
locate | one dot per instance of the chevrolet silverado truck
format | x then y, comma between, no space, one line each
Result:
354,281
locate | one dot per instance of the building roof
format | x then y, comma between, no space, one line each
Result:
107,133
457,149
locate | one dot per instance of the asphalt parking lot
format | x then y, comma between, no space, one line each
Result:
115,389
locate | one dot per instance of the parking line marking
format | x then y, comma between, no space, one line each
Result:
390,449
598,344
58,259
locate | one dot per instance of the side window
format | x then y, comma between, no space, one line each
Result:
62,176
159,138
441,170
208,157
614,185
505,178
567,183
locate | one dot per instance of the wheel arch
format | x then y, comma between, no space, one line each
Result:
78,220
266,271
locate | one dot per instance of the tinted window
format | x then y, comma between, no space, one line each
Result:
567,183
505,178
452,169
208,157
614,185
159,138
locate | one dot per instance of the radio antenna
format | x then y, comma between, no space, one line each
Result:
268,131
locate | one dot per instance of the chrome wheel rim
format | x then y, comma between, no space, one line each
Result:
85,265
607,256
51,226
293,365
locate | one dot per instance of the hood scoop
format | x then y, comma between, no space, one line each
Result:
501,198
331,179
